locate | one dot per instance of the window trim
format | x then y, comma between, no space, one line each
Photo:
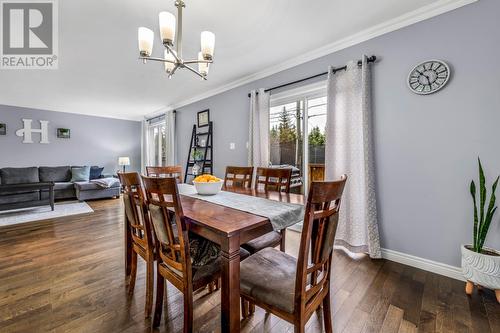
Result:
309,91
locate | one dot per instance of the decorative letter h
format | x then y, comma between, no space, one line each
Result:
27,130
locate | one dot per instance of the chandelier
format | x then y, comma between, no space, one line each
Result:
173,57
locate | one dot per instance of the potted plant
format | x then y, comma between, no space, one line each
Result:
197,156
481,265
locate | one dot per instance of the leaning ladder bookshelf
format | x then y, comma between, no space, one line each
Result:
206,163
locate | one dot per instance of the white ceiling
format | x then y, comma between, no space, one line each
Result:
99,73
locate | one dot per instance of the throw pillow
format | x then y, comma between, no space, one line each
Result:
95,172
80,174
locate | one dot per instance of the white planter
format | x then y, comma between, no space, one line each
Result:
481,269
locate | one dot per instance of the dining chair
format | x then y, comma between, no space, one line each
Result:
142,239
273,179
173,248
270,179
293,289
238,177
165,171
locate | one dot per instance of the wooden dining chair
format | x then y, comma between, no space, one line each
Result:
293,289
174,261
239,177
270,179
165,171
142,239
273,179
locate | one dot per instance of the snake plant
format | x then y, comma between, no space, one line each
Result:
482,218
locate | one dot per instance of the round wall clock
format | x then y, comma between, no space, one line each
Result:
428,77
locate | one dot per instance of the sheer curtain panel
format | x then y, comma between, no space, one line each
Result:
349,149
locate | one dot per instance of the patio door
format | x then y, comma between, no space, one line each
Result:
156,143
297,122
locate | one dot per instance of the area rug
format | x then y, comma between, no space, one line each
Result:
18,216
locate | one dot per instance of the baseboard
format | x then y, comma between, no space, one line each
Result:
425,264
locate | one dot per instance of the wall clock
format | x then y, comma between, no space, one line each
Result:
428,77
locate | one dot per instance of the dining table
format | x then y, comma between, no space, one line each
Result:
229,228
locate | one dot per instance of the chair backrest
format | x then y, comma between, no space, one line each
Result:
274,179
169,226
316,172
174,171
317,240
240,177
136,211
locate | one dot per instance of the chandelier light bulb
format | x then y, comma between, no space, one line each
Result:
202,66
207,44
145,37
169,66
167,27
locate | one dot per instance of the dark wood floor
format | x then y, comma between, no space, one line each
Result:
66,275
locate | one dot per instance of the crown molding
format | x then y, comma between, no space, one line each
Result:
437,8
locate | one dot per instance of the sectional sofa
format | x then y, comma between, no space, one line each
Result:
16,190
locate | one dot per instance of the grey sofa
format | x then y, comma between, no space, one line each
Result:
59,176
21,187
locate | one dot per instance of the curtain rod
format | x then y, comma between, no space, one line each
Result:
369,59
158,116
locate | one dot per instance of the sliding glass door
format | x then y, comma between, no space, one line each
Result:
156,144
293,114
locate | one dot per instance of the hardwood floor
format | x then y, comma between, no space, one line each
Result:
67,275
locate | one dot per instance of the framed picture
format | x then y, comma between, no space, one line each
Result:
203,118
3,129
63,133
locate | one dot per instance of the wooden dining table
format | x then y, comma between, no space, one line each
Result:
229,228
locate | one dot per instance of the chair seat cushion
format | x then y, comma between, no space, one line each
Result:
268,276
244,254
206,271
271,239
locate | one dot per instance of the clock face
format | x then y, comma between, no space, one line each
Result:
428,77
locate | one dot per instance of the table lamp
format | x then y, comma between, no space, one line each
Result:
123,161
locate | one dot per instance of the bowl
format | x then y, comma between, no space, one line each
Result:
208,188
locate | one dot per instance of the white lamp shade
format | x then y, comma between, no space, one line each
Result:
123,161
145,37
202,66
207,44
167,26
168,65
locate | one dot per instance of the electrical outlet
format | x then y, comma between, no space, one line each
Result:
232,146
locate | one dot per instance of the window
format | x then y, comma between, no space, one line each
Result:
292,114
156,143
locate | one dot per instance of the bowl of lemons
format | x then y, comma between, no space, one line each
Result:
207,184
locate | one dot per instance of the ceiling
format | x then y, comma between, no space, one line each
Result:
99,73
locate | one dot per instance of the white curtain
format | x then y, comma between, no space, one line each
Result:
349,149
170,137
258,140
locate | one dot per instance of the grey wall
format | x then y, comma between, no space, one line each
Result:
425,146
94,140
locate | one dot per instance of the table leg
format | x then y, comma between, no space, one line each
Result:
230,288
128,247
51,197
